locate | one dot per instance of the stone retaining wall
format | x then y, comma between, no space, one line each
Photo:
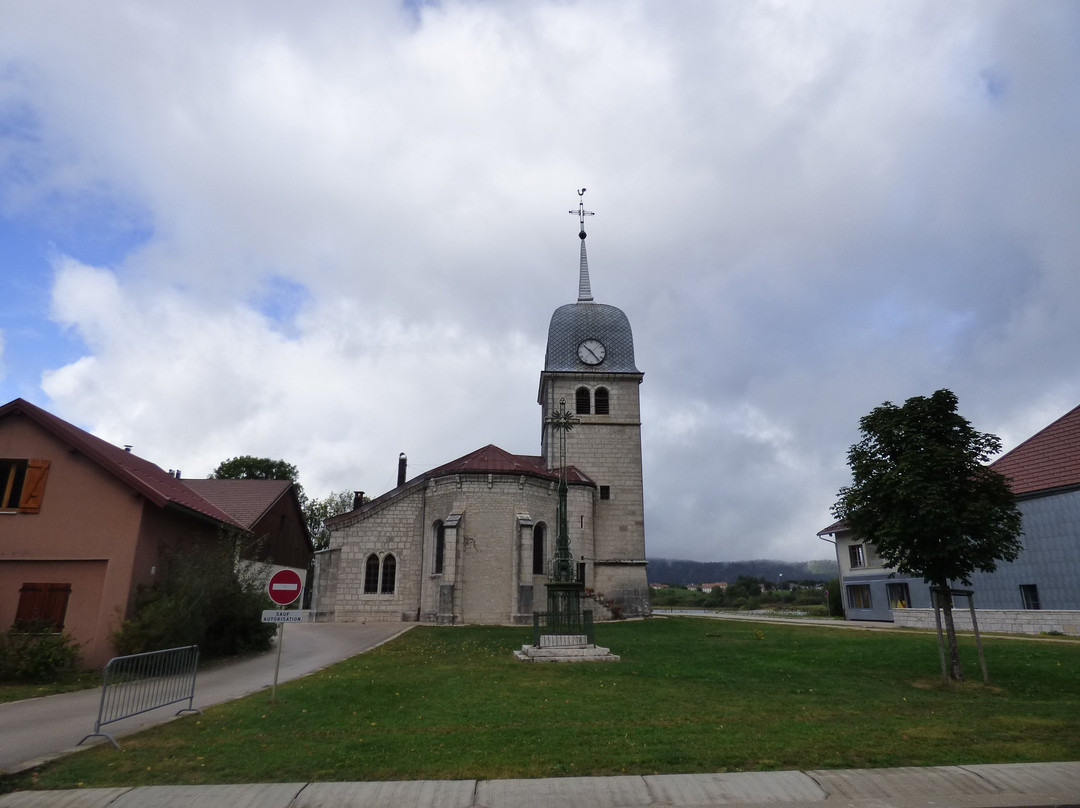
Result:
1007,621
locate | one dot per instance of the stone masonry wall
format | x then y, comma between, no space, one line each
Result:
487,561
1007,621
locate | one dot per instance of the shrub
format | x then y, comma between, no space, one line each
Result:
35,652
203,599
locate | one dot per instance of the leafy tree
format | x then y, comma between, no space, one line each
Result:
247,467
316,510
923,496
206,599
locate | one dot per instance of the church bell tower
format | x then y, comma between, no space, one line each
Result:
589,365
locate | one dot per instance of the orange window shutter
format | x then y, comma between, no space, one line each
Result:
34,487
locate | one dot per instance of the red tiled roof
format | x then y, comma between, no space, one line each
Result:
488,460
244,500
154,483
491,459
1047,460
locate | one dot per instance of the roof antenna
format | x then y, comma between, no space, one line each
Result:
584,288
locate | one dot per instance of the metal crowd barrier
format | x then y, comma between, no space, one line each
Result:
139,683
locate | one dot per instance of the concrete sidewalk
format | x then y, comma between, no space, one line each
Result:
36,730
983,786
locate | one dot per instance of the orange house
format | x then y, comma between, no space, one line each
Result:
83,523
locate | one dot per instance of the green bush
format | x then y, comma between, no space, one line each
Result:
35,652
203,599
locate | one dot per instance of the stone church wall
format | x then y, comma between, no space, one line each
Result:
487,564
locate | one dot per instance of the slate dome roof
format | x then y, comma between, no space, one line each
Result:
575,322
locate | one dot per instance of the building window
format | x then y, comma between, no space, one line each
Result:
602,401
371,575
1029,594
581,398
605,492
539,557
22,484
43,603
899,597
857,555
440,546
389,575
858,596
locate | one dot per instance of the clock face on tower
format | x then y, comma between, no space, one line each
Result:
591,352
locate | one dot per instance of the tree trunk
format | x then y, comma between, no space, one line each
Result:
956,671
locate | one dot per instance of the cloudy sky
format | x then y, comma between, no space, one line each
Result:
334,232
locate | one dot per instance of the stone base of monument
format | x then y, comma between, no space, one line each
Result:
565,648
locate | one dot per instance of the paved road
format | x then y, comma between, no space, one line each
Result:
36,730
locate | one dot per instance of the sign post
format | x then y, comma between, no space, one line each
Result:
284,587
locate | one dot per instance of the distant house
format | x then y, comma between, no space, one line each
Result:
270,510
1040,591
711,587
83,523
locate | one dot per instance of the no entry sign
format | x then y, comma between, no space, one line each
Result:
284,587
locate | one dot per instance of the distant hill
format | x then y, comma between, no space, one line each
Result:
668,571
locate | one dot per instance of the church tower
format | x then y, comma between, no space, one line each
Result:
589,364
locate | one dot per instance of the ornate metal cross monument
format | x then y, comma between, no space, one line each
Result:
564,589
564,632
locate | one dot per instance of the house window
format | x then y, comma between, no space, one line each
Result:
581,398
858,596
440,546
899,597
602,401
538,549
22,484
857,555
43,602
371,575
1029,594
605,492
389,575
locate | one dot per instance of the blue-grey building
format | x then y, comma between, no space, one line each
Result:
1044,473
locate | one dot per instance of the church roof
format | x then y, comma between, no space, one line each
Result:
493,460
574,323
1049,459
488,460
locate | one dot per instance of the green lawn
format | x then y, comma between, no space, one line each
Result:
690,695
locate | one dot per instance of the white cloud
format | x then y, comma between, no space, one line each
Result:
350,229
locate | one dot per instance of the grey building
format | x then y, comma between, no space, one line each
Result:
1039,591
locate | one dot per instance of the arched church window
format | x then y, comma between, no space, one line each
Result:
389,575
440,546
538,548
582,399
602,401
371,575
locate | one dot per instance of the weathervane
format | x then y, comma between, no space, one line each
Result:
581,212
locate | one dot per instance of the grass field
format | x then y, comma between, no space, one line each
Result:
690,695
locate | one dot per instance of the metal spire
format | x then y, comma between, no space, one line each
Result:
584,288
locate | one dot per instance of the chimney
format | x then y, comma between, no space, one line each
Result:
127,447
402,462
178,474
357,499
